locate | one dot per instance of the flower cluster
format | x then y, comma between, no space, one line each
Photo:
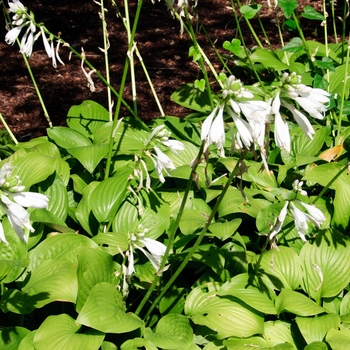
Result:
312,100
301,218
12,201
22,19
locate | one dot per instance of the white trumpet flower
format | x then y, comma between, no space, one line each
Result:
162,163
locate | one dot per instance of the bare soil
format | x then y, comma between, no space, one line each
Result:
164,52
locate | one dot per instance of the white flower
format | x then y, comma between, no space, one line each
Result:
281,132
30,199
280,220
47,46
315,214
13,34
213,130
156,251
297,186
18,217
162,162
244,130
174,145
2,235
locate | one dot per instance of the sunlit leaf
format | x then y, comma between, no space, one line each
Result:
11,337
268,59
288,7
173,331
105,311
325,264
62,332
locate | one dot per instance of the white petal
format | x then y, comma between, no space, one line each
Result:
206,126
46,43
282,136
316,214
31,199
2,235
217,132
155,247
130,262
154,259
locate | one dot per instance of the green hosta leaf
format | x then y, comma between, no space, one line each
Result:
235,47
282,267
317,345
84,210
183,129
344,307
129,140
50,220
339,339
68,138
310,13
109,194
295,45
94,266
323,174
112,243
288,7
87,117
16,251
224,230
315,328
296,303
191,221
303,145
243,288
244,344
53,280
249,12
278,332
11,337
27,342
62,332
336,80
173,302
268,59
225,317
59,247
326,264
58,203
7,265
104,310
190,97
172,332
136,343
33,168
89,156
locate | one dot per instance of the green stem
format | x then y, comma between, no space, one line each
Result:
8,129
131,55
343,92
334,22
203,68
172,232
105,52
200,237
343,31
302,37
345,167
326,37
248,24
121,89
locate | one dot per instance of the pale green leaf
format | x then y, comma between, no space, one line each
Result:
243,287
59,247
33,168
326,264
11,337
339,339
278,332
191,221
68,138
268,59
94,266
317,345
296,303
112,242
315,328
62,332
52,280
137,343
173,331
51,220
224,230
87,117
282,267
225,317
27,342
89,156
105,311
109,194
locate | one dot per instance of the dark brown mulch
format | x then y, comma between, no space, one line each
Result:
163,49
